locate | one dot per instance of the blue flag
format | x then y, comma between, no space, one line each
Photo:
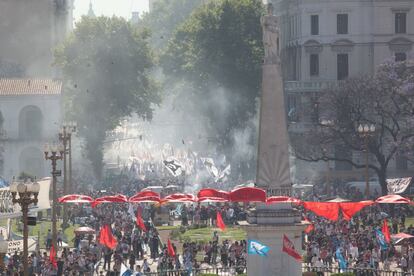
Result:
381,239
340,258
256,248
125,271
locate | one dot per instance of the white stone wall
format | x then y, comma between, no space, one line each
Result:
14,146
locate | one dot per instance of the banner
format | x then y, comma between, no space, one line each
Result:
10,210
17,245
173,166
256,248
340,258
381,239
289,249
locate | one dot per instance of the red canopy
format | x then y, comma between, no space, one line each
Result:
327,210
145,196
139,199
402,236
112,199
394,199
75,198
248,194
282,199
178,197
349,209
146,193
212,195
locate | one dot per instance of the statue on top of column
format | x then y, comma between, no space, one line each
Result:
270,36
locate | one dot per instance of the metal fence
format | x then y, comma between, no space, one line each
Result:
221,271
328,271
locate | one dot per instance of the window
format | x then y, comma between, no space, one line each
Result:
342,66
314,24
400,23
400,57
342,23
314,65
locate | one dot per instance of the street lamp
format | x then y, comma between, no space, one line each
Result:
28,193
65,136
366,131
53,153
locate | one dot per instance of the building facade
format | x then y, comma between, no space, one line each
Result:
30,111
30,30
323,41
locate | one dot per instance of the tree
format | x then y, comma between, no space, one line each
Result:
385,100
164,18
219,50
106,63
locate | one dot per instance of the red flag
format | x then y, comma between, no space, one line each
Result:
106,238
170,249
289,249
140,221
52,256
310,227
386,231
351,208
327,210
220,222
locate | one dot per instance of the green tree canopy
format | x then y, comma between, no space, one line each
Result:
106,63
219,50
164,18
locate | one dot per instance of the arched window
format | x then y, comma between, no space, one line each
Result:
30,123
31,162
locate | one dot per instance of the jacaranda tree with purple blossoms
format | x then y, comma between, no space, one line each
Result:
385,99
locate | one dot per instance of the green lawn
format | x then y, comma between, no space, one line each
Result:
409,221
41,228
169,227
206,234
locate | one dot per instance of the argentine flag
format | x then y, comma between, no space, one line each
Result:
256,248
125,271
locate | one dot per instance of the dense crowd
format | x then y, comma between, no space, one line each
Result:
358,241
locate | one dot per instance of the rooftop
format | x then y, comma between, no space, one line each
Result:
24,87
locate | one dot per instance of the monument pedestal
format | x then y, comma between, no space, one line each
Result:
267,224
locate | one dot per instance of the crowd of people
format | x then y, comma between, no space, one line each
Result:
358,242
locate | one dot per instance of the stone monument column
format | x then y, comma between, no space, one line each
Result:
268,223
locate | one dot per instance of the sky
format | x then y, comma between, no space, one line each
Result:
110,7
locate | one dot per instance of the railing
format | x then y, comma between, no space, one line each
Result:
308,86
221,271
328,271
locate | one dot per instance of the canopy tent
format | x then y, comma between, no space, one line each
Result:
401,236
248,194
339,199
282,199
75,198
212,195
393,199
84,230
178,197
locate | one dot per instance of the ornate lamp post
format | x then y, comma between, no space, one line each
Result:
28,193
65,136
366,131
54,153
